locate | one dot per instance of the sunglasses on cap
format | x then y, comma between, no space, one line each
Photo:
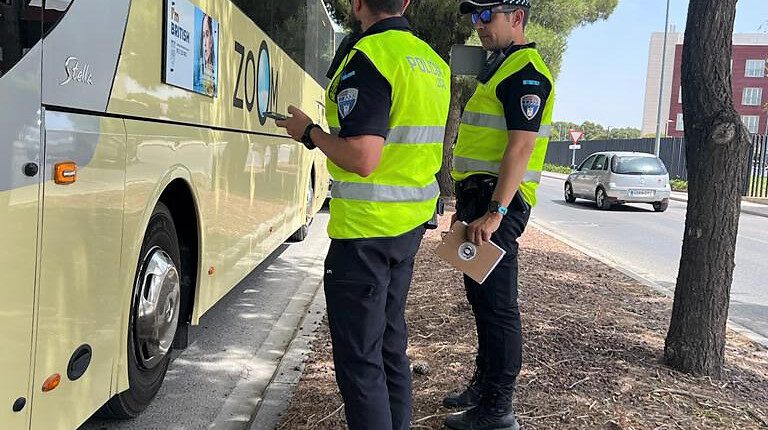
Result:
486,15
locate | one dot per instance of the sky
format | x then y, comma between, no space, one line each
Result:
604,69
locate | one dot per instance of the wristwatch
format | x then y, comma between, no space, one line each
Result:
306,139
496,207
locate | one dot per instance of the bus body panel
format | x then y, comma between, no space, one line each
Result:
80,55
80,258
20,143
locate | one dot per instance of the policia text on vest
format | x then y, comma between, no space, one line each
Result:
387,106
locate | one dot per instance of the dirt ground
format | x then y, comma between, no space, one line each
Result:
592,356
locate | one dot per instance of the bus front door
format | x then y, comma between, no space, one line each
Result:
20,182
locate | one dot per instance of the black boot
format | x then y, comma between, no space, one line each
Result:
493,413
471,395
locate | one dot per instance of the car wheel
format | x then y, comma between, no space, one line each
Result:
569,197
602,200
301,234
661,206
154,317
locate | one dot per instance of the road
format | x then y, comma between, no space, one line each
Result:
649,244
237,344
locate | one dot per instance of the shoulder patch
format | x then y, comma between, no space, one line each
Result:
347,100
531,104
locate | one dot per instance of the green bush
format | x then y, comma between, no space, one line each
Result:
678,185
557,169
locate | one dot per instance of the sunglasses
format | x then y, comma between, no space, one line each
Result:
486,15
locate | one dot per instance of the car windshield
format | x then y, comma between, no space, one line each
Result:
629,165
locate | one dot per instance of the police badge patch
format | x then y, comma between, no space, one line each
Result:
530,105
347,100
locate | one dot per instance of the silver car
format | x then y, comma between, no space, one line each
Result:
610,178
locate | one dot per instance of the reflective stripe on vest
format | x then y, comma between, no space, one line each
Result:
471,165
383,193
410,134
416,134
496,122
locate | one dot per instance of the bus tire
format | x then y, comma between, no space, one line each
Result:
154,306
301,234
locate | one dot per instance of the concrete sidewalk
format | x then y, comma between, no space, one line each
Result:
747,207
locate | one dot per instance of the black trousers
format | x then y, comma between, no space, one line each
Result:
366,286
494,303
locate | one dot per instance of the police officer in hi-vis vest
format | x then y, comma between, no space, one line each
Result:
497,165
387,105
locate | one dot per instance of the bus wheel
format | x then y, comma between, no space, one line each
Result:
303,231
154,316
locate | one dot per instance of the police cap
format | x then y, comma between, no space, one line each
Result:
467,6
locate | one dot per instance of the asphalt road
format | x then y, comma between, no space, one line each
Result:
649,244
237,344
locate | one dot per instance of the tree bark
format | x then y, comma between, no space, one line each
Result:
451,133
716,145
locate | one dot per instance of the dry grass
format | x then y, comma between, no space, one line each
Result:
592,360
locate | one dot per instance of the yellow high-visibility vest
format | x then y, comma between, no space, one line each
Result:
402,192
483,134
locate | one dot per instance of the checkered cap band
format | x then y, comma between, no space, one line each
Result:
467,6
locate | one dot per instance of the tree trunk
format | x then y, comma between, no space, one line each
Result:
451,133
716,145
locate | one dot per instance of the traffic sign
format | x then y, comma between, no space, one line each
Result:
574,147
576,136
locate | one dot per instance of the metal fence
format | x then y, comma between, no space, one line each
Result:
673,156
672,152
756,183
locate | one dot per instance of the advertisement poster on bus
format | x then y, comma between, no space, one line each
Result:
191,48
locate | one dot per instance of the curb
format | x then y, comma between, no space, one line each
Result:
751,335
277,397
244,402
764,214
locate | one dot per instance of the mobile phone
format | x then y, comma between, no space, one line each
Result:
275,116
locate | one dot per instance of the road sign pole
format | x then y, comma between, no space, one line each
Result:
573,161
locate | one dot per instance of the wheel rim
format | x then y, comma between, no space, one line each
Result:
157,308
600,198
568,191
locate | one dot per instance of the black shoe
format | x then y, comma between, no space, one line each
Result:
493,413
470,396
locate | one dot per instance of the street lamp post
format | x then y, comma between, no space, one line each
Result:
657,146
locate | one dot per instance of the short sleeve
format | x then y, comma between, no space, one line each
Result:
364,98
524,96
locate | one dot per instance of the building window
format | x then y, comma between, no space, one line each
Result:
680,95
752,97
752,122
755,69
680,126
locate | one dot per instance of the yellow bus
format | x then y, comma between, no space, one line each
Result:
140,180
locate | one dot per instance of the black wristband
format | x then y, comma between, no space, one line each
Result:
306,139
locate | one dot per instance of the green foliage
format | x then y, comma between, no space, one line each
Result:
557,168
678,185
592,131
440,24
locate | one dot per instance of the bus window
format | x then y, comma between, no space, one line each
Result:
54,11
20,30
302,28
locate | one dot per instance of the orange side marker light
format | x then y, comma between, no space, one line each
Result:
51,383
65,173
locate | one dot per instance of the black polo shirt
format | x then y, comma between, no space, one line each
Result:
364,96
524,95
